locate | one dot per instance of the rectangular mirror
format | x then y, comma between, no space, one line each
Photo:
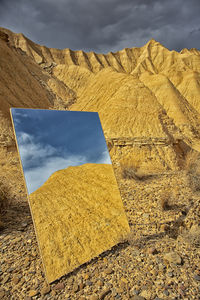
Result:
72,191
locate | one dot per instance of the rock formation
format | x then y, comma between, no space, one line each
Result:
147,98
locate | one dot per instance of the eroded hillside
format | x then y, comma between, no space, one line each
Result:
147,98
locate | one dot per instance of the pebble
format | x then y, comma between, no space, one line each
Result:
32,293
197,277
45,290
16,279
99,283
173,257
94,297
59,286
136,297
5,279
166,292
152,251
170,274
2,294
104,293
75,288
108,271
146,294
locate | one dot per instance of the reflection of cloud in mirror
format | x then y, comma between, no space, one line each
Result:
57,140
49,166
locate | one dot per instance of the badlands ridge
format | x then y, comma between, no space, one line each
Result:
147,98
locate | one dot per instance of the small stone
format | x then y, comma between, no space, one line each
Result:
161,267
86,276
145,215
124,280
53,293
81,285
99,283
104,293
154,272
32,293
134,291
170,274
164,227
146,294
166,293
16,279
59,286
2,294
75,288
108,271
173,257
27,262
136,297
197,277
94,297
152,251
45,290
6,278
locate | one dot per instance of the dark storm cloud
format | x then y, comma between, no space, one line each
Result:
104,25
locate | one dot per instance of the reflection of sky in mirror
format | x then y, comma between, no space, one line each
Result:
50,140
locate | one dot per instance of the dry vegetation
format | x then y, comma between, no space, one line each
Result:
3,202
192,169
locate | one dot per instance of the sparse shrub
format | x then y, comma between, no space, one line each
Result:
129,173
192,169
193,236
191,161
2,203
133,173
165,201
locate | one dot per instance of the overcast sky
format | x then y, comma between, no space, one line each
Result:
104,25
50,140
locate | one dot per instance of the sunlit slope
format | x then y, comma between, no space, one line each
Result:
78,214
123,103
146,96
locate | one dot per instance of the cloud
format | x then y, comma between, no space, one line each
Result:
41,160
104,25
105,158
36,177
33,152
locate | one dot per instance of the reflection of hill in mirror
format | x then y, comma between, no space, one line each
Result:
78,214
